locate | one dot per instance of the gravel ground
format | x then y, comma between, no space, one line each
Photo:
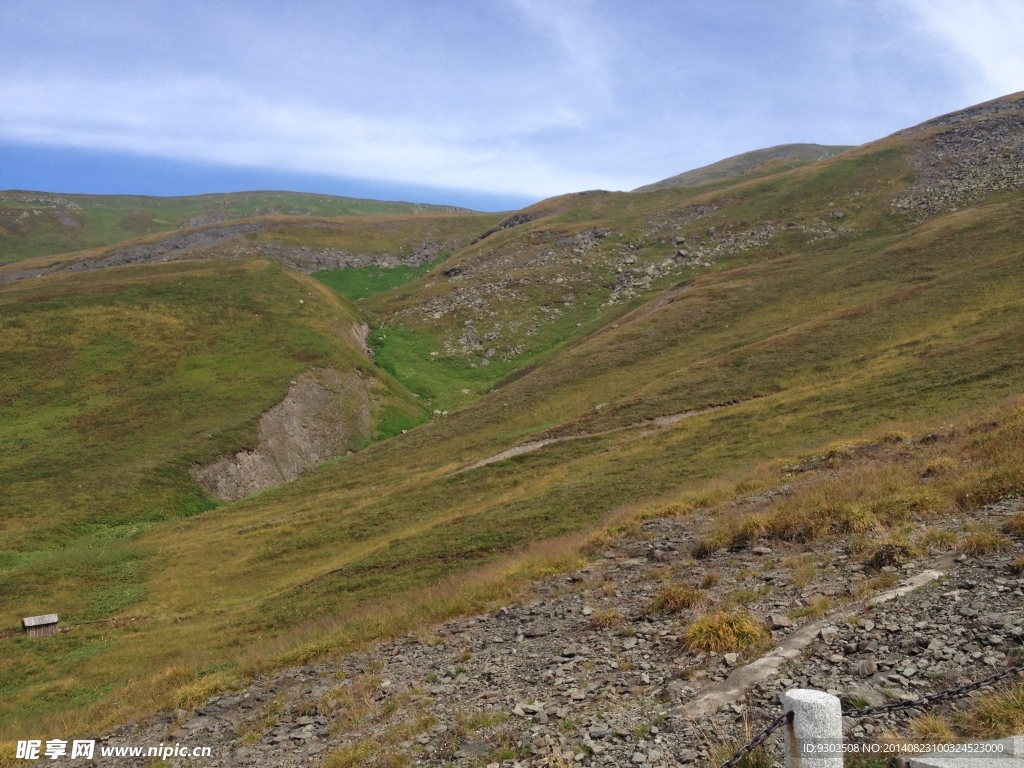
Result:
581,671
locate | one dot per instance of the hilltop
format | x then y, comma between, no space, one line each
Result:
596,357
761,161
43,224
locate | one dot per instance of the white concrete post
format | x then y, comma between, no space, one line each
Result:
815,737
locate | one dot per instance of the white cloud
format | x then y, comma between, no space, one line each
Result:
488,101
985,34
203,118
526,97
576,34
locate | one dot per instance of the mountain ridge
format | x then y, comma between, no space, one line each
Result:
869,297
768,160
44,223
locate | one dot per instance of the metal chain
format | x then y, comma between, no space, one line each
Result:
951,693
761,738
934,697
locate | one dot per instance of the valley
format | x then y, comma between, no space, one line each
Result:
815,321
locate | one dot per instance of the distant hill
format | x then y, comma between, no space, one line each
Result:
527,380
46,223
782,157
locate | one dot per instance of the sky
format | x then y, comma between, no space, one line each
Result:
490,104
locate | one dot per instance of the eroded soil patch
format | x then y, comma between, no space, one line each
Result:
325,414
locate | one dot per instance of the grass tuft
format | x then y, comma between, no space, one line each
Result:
891,553
984,540
939,539
931,729
1015,526
605,619
815,609
747,529
349,756
710,579
708,545
804,567
996,715
887,580
673,598
199,691
722,631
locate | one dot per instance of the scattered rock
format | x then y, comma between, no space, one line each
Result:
615,695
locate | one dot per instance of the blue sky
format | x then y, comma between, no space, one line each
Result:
485,103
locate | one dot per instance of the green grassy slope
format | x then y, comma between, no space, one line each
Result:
396,235
115,383
509,298
796,329
41,224
356,283
769,160
297,241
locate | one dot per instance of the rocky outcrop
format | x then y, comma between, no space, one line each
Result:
207,217
324,414
175,246
632,278
514,220
229,241
972,154
493,301
311,260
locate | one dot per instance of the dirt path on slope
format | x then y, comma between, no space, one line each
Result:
659,424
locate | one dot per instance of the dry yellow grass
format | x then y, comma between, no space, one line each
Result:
883,581
1015,526
814,609
891,551
709,544
747,529
195,693
939,539
983,540
673,598
940,466
349,755
996,715
711,579
856,499
850,491
8,750
605,619
722,631
804,568
931,729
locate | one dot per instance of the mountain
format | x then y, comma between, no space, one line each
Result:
42,223
760,161
533,379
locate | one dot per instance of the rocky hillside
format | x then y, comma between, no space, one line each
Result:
968,156
41,224
594,668
528,386
307,244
